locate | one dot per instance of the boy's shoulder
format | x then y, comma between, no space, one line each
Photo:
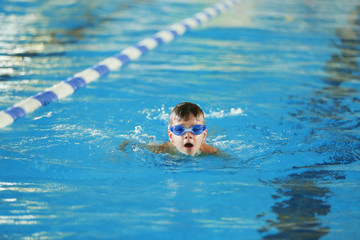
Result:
206,148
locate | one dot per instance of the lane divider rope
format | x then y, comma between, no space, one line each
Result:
81,79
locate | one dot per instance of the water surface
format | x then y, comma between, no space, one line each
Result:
278,81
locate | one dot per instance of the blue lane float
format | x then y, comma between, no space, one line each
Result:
81,79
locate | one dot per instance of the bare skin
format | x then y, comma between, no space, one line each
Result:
168,147
188,143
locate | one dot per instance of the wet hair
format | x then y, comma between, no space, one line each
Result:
182,112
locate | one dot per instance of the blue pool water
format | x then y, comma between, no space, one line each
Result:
278,81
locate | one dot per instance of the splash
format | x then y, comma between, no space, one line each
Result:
157,114
164,115
138,135
222,113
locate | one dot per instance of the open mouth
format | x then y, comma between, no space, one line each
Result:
188,145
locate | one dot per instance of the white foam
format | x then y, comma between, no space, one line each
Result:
139,136
157,114
222,113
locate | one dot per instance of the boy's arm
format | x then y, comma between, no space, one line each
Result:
206,148
166,147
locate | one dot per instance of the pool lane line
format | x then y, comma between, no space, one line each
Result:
81,79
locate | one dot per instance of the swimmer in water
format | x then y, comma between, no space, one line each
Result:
187,132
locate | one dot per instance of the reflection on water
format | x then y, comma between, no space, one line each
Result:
45,30
302,198
302,202
344,66
208,194
16,209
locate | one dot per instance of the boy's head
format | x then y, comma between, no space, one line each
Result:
187,130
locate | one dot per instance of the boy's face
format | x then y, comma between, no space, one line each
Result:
187,143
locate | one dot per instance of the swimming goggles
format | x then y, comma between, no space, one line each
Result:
179,130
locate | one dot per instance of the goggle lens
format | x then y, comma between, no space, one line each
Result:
180,130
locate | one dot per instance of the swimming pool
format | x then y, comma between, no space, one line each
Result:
279,83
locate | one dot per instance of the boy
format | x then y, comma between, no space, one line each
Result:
187,131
